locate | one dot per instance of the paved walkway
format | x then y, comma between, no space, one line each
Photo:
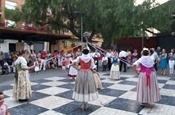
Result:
52,95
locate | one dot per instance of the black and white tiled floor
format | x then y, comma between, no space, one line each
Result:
53,96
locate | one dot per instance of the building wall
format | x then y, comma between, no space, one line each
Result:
61,45
38,47
19,46
5,46
58,46
18,2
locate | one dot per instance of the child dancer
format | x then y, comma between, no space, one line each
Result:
114,72
3,105
63,65
36,63
72,71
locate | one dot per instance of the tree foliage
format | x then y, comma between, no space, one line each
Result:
14,15
112,18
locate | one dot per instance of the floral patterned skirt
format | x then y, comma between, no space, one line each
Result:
22,86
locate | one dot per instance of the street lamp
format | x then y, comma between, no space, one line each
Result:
81,15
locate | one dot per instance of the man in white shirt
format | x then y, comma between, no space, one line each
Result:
109,55
154,56
123,56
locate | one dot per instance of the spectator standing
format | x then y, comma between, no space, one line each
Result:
171,62
104,62
154,56
163,61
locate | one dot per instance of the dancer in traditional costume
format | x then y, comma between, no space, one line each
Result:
63,65
72,71
147,87
114,72
85,89
22,86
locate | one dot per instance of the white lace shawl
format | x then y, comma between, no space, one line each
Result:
146,61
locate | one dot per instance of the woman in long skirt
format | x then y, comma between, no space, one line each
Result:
22,87
147,87
114,72
85,88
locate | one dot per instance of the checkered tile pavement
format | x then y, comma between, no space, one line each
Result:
53,96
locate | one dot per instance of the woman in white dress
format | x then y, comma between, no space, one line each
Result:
22,87
85,89
36,63
114,72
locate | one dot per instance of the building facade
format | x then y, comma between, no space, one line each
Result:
14,45
10,45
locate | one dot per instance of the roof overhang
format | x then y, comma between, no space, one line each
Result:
19,34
